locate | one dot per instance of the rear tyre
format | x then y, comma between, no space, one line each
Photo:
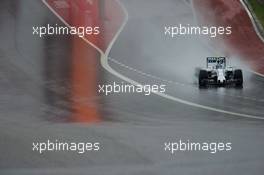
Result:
238,77
203,76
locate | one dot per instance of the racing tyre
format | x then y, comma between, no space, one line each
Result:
203,76
238,77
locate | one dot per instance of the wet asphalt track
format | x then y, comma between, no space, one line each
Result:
35,104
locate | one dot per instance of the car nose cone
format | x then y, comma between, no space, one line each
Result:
220,76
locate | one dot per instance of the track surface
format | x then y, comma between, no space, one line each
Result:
35,104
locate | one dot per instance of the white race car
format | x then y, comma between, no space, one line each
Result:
216,73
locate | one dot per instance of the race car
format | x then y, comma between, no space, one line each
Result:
218,74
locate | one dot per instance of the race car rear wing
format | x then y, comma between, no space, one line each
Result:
214,62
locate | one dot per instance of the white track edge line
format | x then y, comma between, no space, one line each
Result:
255,28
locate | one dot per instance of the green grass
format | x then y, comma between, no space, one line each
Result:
258,9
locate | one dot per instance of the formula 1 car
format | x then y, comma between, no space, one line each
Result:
216,73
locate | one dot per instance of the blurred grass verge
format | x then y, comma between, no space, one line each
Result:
258,8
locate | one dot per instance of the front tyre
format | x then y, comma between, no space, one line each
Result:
203,77
238,77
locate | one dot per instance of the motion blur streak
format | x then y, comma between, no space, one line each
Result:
84,80
244,41
84,73
105,15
